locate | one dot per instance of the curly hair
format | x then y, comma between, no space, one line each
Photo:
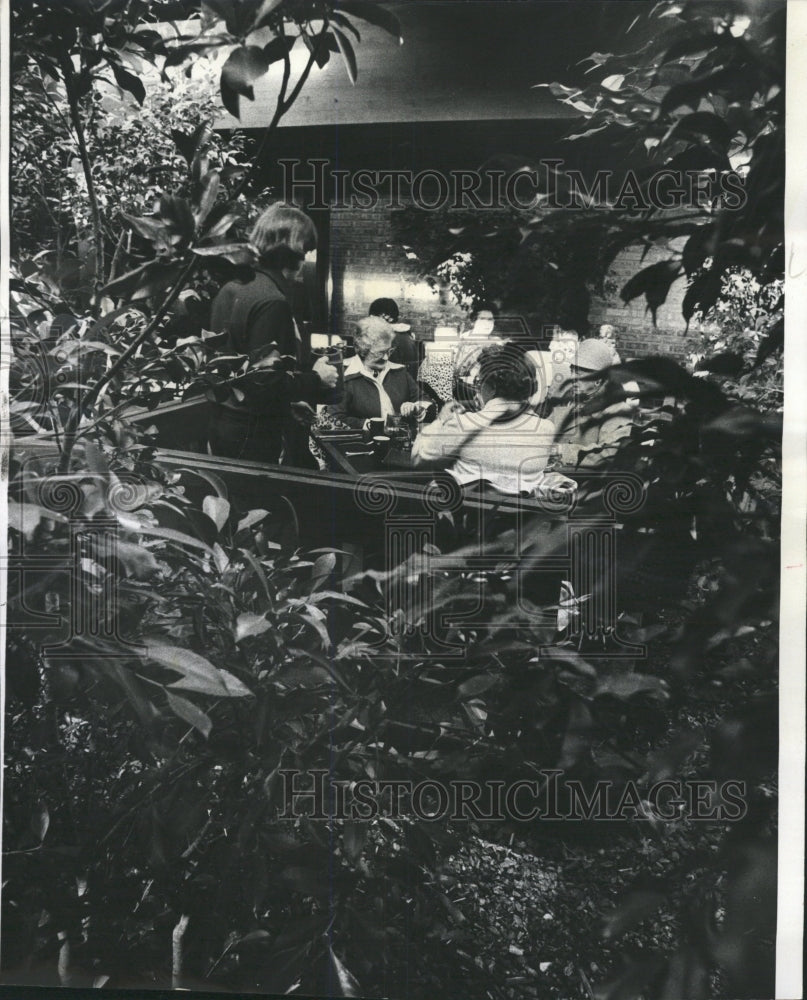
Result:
283,235
506,373
372,333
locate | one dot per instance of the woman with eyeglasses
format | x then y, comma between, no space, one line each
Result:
374,386
257,421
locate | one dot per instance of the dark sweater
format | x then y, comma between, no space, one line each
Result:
257,318
360,399
405,351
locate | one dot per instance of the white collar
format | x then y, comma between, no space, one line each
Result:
355,366
498,405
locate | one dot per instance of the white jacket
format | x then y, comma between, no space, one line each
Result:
498,444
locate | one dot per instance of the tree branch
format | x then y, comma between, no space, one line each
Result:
282,105
71,428
78,128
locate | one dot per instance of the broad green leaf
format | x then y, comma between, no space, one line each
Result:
129,82
190,665
40,821
200,685
476,685
348,55
354,839
343,22
138,562
177,213
343,978
323,567
279,48
135,524
215,481
131,685
265,12
207,199
302,675
221,558
624,686
319,47
252,517
235,689
258,570
222,225
613,82
243,66
255,937
150,229
235,253
334,595
373,13
190,713
250,624
476,712
217,509
319,627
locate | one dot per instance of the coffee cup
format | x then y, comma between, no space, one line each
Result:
381,446
375,426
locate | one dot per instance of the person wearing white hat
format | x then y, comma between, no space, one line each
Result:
592,439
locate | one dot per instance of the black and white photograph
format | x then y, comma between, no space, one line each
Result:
404,499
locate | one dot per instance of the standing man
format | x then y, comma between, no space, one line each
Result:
258,422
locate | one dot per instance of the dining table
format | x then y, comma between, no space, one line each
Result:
351,452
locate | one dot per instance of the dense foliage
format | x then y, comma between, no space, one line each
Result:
688,119
144,757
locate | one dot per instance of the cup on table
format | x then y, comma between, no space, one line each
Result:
375,425
381,446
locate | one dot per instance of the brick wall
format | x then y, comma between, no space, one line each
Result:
365,265
635,333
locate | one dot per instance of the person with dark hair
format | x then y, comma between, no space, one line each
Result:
373,385
385,308
257,422
504,442
472,343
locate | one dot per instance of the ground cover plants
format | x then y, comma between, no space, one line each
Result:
144,756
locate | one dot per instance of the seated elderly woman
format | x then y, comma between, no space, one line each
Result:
374,386
504,443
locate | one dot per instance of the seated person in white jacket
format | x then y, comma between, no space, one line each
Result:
503,443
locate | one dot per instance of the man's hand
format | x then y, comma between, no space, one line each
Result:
418,410
451,409
328,375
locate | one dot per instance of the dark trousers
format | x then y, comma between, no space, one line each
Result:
232,434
